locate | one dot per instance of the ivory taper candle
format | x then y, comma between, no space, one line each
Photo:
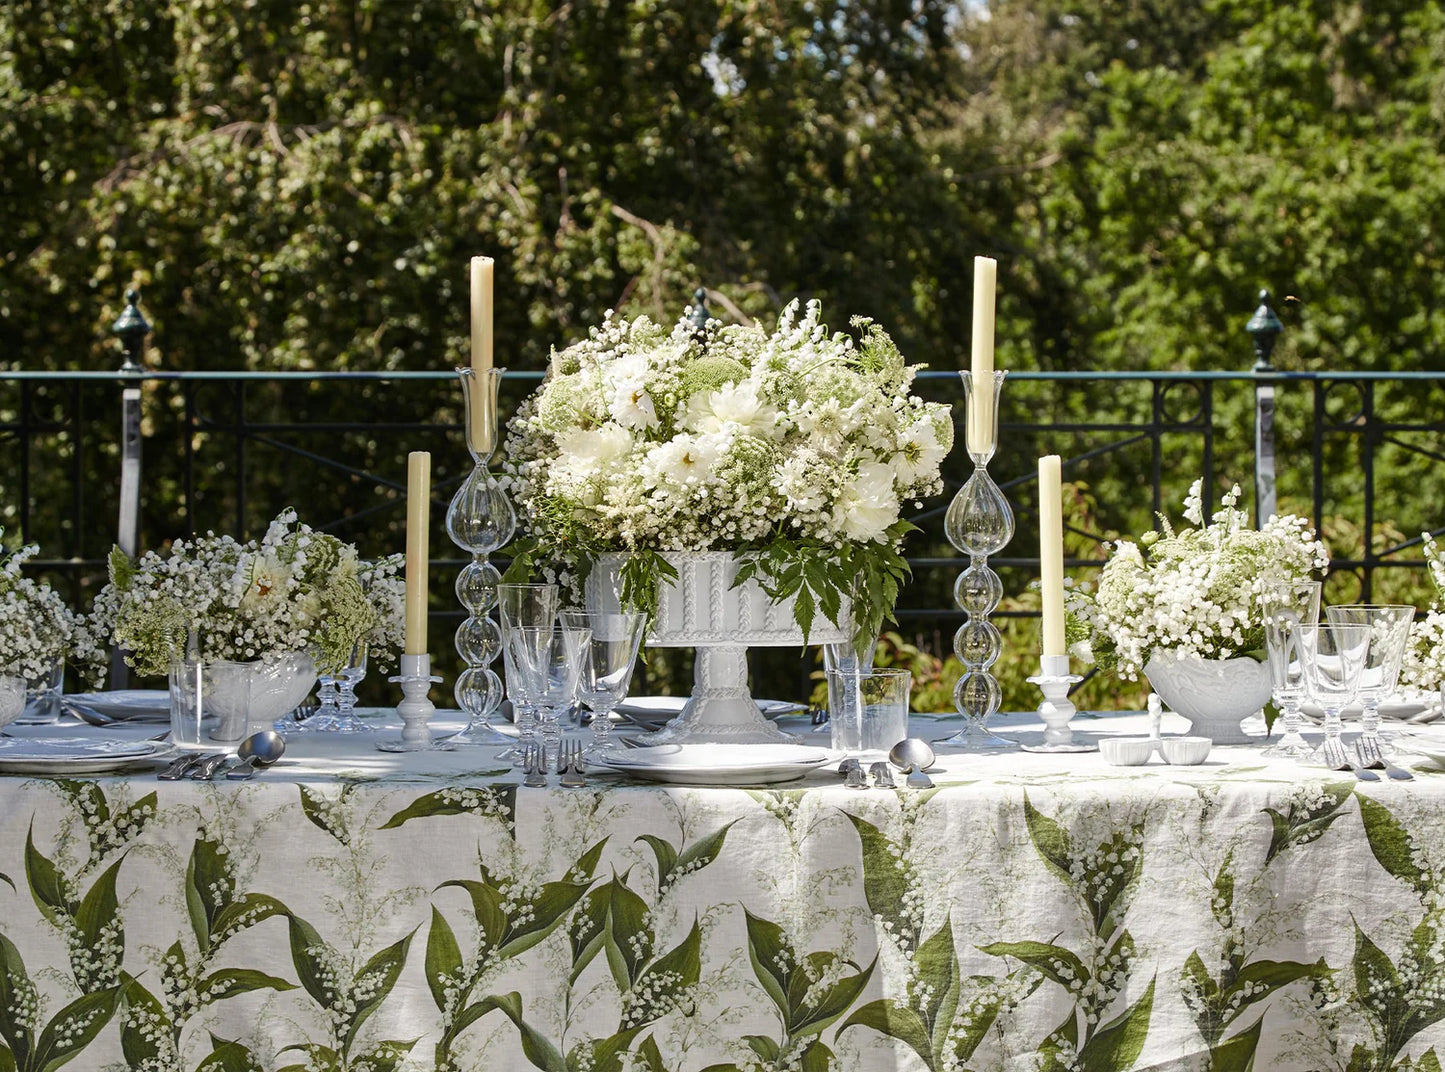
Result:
980,421
1051,553
482,415
418,518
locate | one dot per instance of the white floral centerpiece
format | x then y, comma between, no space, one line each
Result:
1191,593
385,588
294,590
37,628
1424,663
794,449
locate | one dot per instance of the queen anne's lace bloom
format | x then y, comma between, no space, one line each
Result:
1195,592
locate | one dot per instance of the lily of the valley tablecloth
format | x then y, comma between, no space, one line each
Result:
1027,914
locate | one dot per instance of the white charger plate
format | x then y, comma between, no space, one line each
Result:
76,755
720,764
655,711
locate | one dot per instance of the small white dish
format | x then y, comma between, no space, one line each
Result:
1127,751
1185,751
720,764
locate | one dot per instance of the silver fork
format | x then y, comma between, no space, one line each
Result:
533,774
574,770
1336,758
1368,751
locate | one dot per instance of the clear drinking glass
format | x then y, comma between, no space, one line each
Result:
1286,608
551,661
1389,633
1334,657
42,696
12,699
607,664
868,709
532,607
844,656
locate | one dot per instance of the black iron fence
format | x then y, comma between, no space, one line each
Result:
138,457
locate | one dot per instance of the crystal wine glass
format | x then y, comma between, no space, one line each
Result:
554,660
337,713
1334,657
1286,609
607,664
1388,627
532,607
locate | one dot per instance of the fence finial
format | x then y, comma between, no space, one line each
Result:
1265,327
700,314
131,327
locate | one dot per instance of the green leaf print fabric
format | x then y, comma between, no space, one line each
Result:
1225,920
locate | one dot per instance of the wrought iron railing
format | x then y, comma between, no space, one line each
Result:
88,459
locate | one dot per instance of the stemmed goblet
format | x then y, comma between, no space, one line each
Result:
337,713
1334,657
1287,610
551,660
531,607
1388,629
607,664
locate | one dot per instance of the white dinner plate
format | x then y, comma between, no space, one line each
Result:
1399,709
720,764
76,755
146,705
655,711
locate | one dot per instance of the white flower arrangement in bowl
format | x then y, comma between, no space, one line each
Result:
37,634
1424,664
1191,593
794,449
293,591
36,626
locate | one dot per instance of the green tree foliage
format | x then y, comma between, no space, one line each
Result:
298,184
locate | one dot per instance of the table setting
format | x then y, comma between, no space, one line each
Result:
553,868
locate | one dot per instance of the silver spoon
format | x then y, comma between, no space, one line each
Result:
257,751
913,756
911,753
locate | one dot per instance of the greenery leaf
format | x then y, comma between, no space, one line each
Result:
1391,844
1051,840
228,982
898,1021
46,885
443,959
376,980
74,1028
1117,1044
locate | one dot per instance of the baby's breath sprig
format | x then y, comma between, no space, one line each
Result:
36,626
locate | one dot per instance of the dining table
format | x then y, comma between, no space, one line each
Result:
351,909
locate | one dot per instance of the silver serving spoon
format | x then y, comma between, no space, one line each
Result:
257,751
913,756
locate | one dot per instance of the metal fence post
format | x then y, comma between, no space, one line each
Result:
1264,327
131,328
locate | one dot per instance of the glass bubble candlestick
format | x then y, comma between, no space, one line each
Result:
480,520
979,523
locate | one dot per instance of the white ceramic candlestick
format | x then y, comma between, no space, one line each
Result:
415,709
1054,681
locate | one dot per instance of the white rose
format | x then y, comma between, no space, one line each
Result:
868,503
